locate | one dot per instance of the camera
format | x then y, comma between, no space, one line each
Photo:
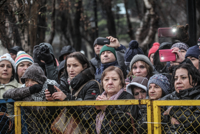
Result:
44,49
103,41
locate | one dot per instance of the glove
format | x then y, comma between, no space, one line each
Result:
35,88
46,57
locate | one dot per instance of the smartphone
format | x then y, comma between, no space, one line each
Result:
103,41
51,88
166,32
167,55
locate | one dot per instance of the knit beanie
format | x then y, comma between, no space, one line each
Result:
180,45
140,57
8,58
140,82
23,56
35,73
193,52
132,51
154,48
162,81
106,48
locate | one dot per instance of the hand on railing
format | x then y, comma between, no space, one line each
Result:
101,97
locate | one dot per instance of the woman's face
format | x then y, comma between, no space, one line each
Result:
155,91
74,67
183,52
139,69
22,68
181,80
151,57
195,61
111,83
139,93
5,70
30,82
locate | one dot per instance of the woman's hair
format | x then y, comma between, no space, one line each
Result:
147,66
192,71
117,70
80,57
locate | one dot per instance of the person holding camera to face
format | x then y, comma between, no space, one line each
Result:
100,42
111,54
44,56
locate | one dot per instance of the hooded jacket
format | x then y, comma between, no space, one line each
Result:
66,50
188,116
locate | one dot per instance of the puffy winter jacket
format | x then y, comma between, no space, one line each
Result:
89,92
188,116
117,118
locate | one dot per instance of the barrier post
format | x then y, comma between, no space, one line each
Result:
157,118
17,111
149,117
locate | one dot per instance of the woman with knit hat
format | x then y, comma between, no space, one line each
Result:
153,49
22,62
193,54
140,65
158,86
7,81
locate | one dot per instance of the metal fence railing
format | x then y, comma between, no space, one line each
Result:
169,116
6,116
82,117
176,116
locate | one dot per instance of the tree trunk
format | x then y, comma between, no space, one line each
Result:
130,29
145,34
52,22
107,8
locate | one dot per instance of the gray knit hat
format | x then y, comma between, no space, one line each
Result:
160,80
35,73
8,58
180,45
140,57
140,82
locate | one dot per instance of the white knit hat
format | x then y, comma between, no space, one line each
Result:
8,58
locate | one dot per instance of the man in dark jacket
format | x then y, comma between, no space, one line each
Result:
66,50
120,51
13,51
108,58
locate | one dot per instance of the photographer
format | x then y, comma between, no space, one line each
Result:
44,56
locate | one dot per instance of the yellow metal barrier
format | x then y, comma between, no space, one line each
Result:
18,105
157,111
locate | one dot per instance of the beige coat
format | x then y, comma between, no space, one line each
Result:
3,88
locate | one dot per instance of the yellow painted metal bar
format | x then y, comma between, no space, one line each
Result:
149,117
157,118
177,102
17,111
80,103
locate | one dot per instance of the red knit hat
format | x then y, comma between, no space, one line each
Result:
154,48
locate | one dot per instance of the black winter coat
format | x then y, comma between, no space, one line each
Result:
188,116
117,118
89,92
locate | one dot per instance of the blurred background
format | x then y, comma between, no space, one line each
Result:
78,22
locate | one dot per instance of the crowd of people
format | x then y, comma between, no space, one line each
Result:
115,73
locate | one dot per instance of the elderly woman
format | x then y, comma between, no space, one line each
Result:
186,81
22,62
7,81
111,119
78,73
